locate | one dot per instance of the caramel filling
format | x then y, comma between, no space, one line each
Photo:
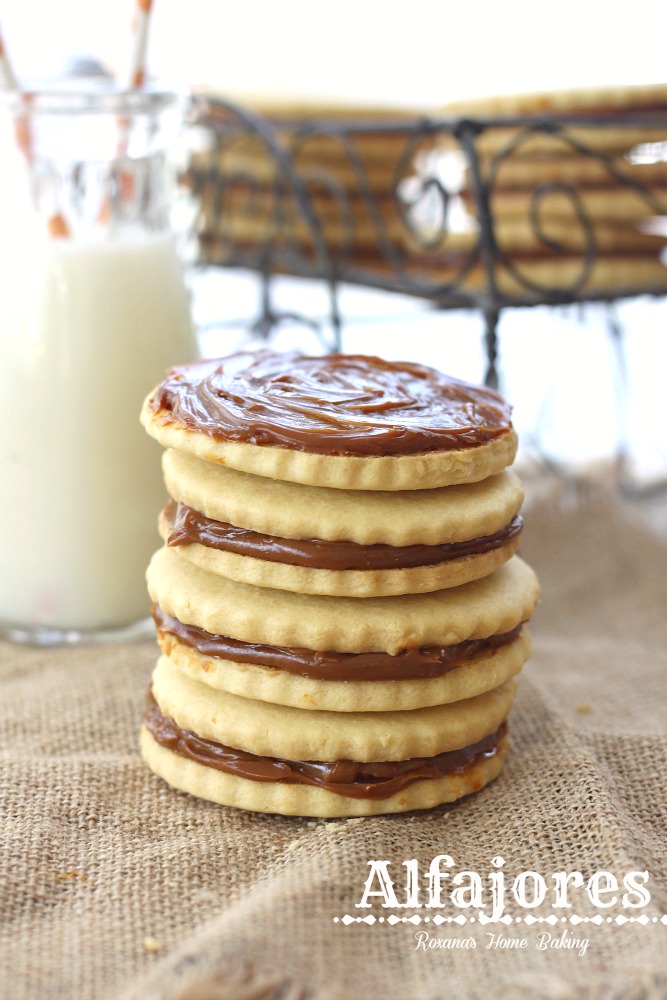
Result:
375,780
409,664
187,526
334,405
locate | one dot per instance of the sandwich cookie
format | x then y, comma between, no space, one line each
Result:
315,540
337,653
269,758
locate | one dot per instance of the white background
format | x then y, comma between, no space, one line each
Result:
416,51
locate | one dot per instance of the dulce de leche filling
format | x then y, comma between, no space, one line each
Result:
188,526
408,664
333,405
375,780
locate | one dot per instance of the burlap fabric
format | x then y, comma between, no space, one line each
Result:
113,886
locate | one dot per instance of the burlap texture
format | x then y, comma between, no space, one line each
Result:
113,886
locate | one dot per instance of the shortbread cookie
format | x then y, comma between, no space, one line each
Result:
294,109
492,605
607,139
526,279
243,211
602,277
344,421
641,109
608,205
342,226
400,518
517,171
519,235
567,101
343,682
279,754
219,530
233,163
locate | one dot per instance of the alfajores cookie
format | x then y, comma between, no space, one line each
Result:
344,682
343,654
314,540
343,421
270,758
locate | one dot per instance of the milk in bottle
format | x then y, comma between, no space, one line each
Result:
90,318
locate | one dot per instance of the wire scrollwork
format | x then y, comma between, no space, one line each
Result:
368,202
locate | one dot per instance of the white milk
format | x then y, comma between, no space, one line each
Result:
86,330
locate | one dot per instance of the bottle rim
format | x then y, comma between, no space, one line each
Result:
80,101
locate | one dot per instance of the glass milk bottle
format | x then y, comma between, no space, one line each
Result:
93,309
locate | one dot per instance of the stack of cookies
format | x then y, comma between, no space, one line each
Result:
339,605
576,179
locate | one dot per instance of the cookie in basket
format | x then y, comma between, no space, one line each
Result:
260,219
270,758
588,171
342,421
604,276
608,206
632,98
643,109
517,275
342,653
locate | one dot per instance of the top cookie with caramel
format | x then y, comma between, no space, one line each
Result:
343,421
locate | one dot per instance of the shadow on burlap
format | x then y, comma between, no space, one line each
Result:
114,887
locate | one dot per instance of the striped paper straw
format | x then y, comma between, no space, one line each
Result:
56,224
9,84
137,68
140,27
7,76
136,77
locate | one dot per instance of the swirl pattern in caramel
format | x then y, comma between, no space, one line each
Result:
337,404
